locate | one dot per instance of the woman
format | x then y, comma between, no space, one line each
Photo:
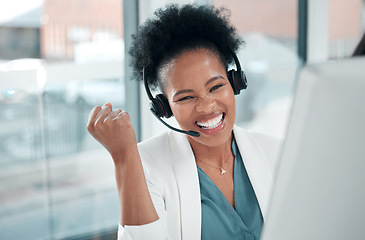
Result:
177,186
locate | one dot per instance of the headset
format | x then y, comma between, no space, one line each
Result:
160,107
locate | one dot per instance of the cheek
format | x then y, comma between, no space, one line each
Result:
233,105
229,101
181,112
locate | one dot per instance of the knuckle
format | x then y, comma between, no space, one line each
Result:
107,121
126,115
97,123
95,110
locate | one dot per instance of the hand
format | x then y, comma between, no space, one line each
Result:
112,129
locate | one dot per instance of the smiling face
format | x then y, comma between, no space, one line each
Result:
200,96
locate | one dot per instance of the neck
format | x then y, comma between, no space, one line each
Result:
215,155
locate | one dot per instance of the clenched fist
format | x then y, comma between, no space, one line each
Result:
112,129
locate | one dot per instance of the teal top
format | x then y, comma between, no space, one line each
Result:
219,219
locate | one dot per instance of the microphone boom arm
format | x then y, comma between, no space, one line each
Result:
191,133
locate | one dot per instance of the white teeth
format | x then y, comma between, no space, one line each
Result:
212,123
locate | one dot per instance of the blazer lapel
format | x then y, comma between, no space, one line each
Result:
184,166
257,167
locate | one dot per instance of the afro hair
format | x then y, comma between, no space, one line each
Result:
175,29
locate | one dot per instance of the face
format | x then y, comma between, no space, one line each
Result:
200,96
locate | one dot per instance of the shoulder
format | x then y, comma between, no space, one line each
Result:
157,153
154,151
154,143
270,146
162,145
268,142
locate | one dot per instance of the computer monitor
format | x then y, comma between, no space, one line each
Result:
319,189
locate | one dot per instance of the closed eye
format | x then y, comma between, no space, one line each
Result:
215,87
185,98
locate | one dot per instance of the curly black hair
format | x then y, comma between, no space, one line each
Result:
175,29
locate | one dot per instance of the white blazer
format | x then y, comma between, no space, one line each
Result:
172,179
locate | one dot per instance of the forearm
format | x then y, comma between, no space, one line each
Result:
136,206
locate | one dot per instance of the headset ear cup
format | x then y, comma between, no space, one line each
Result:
231,74
156,107
238,80
243,81
164,103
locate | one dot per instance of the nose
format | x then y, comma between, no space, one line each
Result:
205,104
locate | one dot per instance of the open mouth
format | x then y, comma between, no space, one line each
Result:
212,123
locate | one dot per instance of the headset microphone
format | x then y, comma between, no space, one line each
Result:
160,108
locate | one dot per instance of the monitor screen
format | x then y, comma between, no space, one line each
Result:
319,188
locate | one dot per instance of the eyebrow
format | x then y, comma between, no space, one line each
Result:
206,84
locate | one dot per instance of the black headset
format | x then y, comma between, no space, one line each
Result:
160,106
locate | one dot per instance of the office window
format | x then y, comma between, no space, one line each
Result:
346,27
57,182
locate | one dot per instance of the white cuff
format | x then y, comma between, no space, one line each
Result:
151,231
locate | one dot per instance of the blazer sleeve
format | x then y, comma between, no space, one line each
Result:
157,229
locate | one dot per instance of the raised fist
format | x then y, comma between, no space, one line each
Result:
112,129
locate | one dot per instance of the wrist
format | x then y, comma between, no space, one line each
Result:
122,155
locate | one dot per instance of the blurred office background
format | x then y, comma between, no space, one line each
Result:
59,58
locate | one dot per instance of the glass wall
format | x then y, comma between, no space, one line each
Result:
57,182
346,26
